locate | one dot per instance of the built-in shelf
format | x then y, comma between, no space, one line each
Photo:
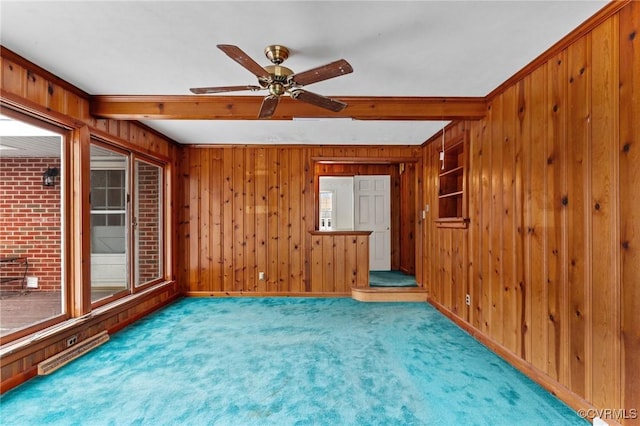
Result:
451,194
452,222
455,171
452,201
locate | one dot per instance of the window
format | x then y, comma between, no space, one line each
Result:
126,223
335,203
32,214
326,210
109,239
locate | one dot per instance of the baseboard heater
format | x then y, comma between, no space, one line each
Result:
50,365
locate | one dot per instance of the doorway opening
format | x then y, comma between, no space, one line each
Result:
359,203
338,196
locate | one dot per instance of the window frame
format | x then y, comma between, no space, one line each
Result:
131,257
65,132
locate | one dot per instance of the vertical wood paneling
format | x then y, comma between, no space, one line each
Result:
552,241
328,265
458,278
519,286
261,215
308,216
508,253
445,283
350,260
578,163
238,205
629,150
339,262
284,221
228,220
486,263
36,88
525,114
537,227
204,231
251,267
273,213
296,225
217,210
341,284
317,270
362,260
252,210
497,228
194,222
604,213
13,77
475,229
554,213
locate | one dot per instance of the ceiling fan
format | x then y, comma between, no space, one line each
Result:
279,80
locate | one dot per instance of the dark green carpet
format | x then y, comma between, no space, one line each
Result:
287,361
391,279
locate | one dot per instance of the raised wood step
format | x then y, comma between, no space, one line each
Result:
389,294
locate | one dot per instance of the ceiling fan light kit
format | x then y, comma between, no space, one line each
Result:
280,80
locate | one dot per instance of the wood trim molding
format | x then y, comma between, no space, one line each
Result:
26,107
602,15
334,233
365,160
203,107
262,294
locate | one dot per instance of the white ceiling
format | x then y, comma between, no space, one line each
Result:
396,48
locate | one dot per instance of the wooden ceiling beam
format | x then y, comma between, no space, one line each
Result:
198,107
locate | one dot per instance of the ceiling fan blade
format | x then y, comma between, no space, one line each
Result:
268,106
318,100
235,53
223,89
324,72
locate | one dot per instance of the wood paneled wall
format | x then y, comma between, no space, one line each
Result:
339,262
551,257
249,209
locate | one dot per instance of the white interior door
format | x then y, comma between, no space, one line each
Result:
372,195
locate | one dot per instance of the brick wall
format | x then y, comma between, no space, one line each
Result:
30,221
148,222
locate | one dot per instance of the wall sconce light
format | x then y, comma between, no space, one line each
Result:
49,176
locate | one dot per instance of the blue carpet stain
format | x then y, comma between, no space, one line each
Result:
287,361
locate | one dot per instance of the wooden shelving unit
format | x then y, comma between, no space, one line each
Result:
452,197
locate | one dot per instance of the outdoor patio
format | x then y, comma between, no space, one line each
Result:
20,309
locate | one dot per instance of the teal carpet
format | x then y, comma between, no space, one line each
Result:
287,361
391,279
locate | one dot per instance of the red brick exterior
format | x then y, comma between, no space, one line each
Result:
148,219
30,221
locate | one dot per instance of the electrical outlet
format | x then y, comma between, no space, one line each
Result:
261,276
72,340
467,299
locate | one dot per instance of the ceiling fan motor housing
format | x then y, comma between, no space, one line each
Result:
278,83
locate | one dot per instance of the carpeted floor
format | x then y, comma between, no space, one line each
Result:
287,361
391,279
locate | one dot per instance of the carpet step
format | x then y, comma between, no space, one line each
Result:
389,294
